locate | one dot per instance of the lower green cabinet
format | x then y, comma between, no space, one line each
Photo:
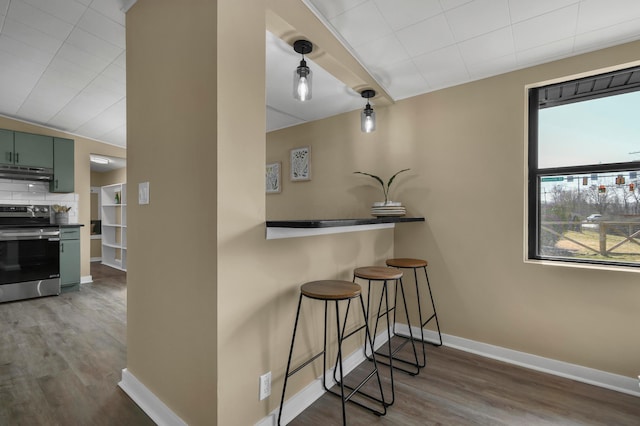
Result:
69,259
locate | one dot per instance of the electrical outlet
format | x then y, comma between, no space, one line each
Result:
265,385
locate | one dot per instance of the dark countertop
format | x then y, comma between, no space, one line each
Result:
41,225
328,223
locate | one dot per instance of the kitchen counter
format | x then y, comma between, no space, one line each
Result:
41,225
276,229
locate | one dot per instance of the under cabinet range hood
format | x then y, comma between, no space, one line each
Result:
25,173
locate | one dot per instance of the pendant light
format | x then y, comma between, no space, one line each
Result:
368,115
302,75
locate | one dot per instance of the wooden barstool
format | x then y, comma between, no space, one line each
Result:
415,264
336,291
386,276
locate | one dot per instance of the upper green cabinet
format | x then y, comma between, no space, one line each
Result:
25,149
63,166
29,150
6,146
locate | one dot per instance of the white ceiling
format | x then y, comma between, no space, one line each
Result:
62,62
62,65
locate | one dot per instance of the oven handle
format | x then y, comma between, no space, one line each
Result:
6,236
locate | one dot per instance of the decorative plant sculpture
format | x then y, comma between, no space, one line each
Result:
60,209
385,190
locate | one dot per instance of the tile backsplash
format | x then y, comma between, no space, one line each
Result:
27,192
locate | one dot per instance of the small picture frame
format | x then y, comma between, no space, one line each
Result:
273,178
300,162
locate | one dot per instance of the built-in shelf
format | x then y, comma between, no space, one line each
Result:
114,225
276,229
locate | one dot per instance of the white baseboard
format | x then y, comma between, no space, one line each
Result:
307,396
303,399
87,279
95,259
162,415
148,402
575,372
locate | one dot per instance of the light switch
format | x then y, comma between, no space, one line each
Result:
143,193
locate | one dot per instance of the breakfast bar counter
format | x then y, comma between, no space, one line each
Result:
276,229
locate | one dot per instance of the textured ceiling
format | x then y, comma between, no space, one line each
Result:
62,62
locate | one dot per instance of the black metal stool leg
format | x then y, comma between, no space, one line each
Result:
411,339
341,383
380,313
339,364
433,305
286,374
424,351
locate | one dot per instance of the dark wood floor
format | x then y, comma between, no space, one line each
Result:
61,357
458,388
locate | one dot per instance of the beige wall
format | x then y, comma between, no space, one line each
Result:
213,309
172,254
466,148
211,302
83,147
109,178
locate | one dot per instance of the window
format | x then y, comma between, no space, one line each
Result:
584,170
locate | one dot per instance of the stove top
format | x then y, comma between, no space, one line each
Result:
24,215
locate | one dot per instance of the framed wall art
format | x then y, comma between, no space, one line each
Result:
273,178
300,163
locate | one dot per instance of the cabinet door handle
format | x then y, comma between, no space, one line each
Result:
61,247
56,183
17,158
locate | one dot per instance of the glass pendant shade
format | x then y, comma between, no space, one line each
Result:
368,119
302,77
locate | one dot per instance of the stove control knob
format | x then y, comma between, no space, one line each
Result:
44,209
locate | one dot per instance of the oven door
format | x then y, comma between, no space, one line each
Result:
29,254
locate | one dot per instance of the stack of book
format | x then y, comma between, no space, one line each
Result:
388,209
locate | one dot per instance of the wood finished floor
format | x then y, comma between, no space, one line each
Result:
458,388
61,357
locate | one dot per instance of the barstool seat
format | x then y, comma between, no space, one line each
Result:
405,262
377,273
336,291
415,264
331,290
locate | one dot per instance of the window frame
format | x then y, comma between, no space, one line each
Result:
534,174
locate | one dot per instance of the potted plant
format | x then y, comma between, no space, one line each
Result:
385,189
61,214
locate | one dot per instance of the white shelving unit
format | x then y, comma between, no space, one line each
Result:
114,225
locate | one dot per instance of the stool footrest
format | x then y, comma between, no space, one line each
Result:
356,391
351,333
405,340
395,366
429,319
304,364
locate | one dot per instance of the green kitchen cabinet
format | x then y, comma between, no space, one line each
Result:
63,166
6,146
32,150
69,259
